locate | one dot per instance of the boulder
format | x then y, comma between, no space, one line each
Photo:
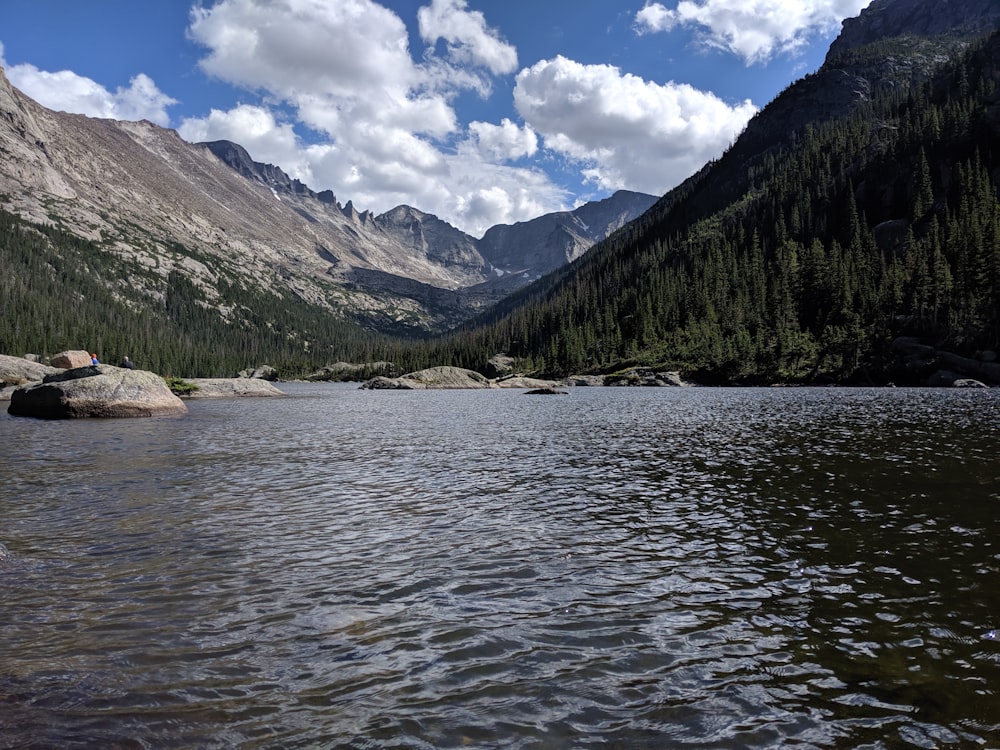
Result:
641,376
18,371
382,383
96,391
969,383
347,371
232,388
264,372
431,378
584,380
70,359
499,365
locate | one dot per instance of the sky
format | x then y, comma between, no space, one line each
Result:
480,112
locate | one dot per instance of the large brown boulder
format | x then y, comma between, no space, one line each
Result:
70,359
96,391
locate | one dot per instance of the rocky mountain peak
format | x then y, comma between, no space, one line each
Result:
274,177
886,19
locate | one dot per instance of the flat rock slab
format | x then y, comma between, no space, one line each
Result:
100,391
232,388
432,377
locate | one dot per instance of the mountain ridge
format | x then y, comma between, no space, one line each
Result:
155,199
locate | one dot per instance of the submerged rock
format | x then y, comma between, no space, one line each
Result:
100,391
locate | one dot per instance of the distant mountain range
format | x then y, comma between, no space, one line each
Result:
151,197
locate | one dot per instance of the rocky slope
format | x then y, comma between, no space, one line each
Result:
213,213
892,44
533,248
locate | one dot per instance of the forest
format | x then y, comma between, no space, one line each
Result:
799,264
857,230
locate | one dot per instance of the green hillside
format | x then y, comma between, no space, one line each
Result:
59,292
801,265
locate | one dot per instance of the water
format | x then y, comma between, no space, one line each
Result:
614,568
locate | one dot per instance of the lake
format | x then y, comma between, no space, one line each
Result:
613,568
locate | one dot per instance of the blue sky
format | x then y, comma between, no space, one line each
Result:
481,112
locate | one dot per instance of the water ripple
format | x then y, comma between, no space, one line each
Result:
619,568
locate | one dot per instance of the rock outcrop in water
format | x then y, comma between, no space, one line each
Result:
232,388
96,391
433,377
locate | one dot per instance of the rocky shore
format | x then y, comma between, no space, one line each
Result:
70,387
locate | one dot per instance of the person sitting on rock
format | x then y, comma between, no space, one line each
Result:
94,360
127,363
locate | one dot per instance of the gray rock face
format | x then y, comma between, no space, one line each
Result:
233,388
96,391
533,248
890,18
499,365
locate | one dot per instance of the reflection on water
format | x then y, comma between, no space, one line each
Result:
633,568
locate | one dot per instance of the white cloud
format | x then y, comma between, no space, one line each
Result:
469,39
66,91
256,129
625,131
503,142
755,30
389,131
654,17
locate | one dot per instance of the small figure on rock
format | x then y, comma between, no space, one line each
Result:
127,363
94,360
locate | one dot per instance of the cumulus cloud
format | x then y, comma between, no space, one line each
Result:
65,91
469,39
625,131
388,133
256,129
755,30
503,142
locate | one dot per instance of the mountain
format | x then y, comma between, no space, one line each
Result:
533,248
851,234
209,212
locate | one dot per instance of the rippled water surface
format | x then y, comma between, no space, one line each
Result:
614,568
